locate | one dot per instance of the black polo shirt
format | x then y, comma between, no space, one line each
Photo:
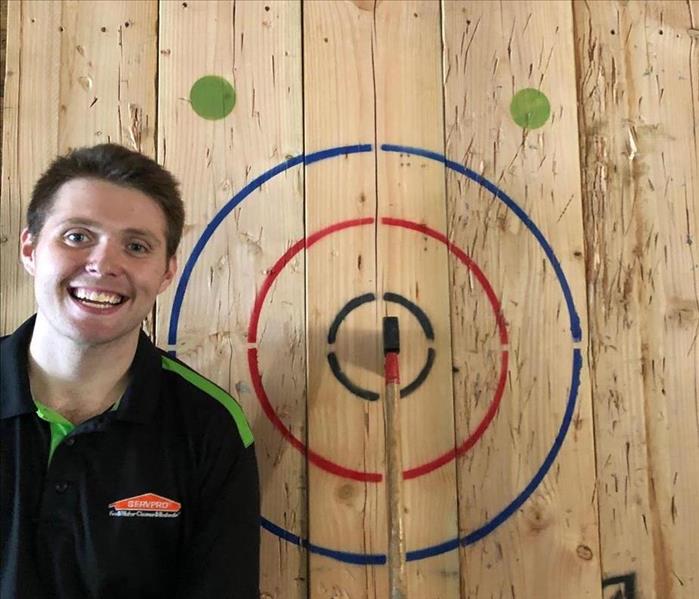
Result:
156,498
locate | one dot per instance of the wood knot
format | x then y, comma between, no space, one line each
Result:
584,552
345,493
364,4
538,517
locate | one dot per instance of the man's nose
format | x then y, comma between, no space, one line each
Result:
105,260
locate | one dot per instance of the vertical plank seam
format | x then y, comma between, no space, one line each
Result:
156,145
692,41
582,159
377,310
5,305
307,519
4,12
20,74
448,232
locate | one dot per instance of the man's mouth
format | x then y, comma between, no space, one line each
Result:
96,299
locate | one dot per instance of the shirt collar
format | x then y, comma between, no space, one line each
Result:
137,405
141,398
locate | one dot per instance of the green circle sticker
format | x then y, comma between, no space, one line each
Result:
530,108
212,97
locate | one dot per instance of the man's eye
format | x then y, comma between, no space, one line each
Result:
75,237
137,247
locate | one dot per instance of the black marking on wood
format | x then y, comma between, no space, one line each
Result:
346,382
420,378
354,303
346,309
628,582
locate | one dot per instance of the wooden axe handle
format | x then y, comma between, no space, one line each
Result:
394,462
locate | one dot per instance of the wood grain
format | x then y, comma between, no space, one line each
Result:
77,74
3,52
409,109
255,46
346,514
619,498
547,543
638,82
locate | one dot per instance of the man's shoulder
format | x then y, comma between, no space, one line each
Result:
18,340
13,369
21,334
202,394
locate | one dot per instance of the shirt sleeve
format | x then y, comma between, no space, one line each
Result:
221,557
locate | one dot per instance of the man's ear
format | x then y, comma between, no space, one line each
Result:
170,273
27,247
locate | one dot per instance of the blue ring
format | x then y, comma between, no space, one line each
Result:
575,329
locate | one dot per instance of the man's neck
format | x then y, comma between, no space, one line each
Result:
78,381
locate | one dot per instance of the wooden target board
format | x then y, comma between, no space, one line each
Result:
342,161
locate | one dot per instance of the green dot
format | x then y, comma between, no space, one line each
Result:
212,97
530,108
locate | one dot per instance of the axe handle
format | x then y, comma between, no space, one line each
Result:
396,538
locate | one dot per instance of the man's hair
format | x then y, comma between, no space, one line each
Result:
118,165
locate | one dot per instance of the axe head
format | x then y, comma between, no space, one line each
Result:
391,335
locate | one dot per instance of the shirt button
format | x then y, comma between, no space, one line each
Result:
70,441
61,487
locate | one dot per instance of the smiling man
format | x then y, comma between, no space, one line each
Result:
123,473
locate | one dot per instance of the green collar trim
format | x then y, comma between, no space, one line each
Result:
60,426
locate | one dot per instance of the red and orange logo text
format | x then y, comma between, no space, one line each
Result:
148,505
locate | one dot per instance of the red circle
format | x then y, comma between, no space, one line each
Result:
256,377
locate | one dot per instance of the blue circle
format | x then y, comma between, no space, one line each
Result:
575,330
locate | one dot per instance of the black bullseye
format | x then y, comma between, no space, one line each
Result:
353,304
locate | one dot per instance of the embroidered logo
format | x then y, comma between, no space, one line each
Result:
148,505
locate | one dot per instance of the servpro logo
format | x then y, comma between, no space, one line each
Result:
148,505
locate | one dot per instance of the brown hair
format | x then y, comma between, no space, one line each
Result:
118,165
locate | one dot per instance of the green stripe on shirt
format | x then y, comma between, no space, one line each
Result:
217,393
60,427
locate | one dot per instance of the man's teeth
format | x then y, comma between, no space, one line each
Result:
99,297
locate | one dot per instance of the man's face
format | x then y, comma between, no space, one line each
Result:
99,261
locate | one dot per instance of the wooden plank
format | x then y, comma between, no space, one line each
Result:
413,265
523,535
69,83
255,46
103,47
639,90
3,54
347,513
29,115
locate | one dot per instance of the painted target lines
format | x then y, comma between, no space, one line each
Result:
418,312
352,305
325,462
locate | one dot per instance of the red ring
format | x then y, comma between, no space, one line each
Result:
256,377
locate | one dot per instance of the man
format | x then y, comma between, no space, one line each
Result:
123,473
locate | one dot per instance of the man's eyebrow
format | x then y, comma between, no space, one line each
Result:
80,221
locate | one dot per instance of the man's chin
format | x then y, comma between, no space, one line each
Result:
93,335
